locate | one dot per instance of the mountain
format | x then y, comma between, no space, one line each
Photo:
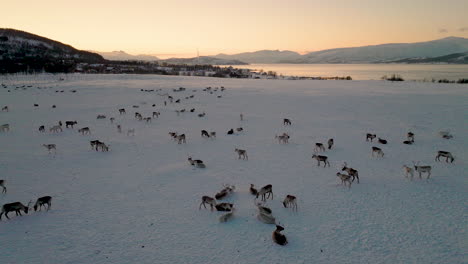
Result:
23,51
123,56
387,52
204,60
262,56
455,58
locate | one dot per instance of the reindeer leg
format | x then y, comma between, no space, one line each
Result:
6,215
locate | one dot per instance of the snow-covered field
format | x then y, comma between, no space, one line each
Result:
138,203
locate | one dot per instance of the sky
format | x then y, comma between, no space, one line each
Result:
180,27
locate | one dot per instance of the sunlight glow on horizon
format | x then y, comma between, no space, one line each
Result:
180,27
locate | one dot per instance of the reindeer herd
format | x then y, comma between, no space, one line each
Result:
347,175
264,215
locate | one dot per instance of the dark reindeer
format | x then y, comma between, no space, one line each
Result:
352,172
43,201
70,123
267,189
17,207
447,155
370,136
279,238
321,158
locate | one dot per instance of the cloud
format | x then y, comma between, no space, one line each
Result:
443,30
463,29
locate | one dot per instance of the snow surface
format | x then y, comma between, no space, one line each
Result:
138,203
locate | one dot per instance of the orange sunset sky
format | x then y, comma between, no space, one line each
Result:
180,27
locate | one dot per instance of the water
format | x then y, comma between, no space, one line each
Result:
367,71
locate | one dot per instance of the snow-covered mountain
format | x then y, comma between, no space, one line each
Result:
16,44
455,58
263,56
365,54
122,56
387,52
202,60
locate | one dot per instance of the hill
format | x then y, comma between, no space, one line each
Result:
204,60
23,51
387,52
123,56
263,56
456,58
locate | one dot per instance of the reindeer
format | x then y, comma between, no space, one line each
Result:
227,190
43,201
196,163
213,134
173,135
147,119
252,190
42,129
344,178
49,147
112,119
422,169
230,132
370,136
202,114
408,142
320,158
5,109
2,184
290,201
122,111
56,129
119,128
408,171
330,143
181,139
241,117
192,110
207,200
131,132
17,207
447,155
70,123
267,189
100,117
445,134
103,146
284,138
84,130
242,153
351,172
279,238
319,147
5,127
205,133
410,136
286,122
382,141
378,151
156,114
239,129
94,144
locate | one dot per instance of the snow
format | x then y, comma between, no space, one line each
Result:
138,203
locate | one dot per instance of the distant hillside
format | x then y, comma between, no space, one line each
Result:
204,60
366,54
123,56
23,51
387,52
456,58
262,56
